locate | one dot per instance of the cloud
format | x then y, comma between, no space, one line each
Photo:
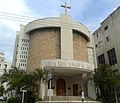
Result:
8,28
14,6
89,12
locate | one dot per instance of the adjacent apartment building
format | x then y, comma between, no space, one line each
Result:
21,49
61,46
5,66
107,41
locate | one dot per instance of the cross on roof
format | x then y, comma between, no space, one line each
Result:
66,7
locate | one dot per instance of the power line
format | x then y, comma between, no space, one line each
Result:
17,15
41,22
13,17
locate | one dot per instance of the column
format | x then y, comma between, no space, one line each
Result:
50,90
66,37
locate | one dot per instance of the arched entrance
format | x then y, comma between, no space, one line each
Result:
61,87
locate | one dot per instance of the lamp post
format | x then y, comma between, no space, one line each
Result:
23,90
50,91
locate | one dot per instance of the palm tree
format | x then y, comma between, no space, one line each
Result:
14,79
1,90
17,78
41,76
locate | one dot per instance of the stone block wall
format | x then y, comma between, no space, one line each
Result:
80,47
43,44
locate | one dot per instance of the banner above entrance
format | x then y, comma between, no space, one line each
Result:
83,66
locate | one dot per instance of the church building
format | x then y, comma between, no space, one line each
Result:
65,49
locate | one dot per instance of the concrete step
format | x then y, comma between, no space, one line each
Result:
68,99
69,102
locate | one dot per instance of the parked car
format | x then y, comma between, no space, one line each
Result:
2,98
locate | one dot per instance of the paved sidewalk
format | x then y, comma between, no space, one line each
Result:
2,102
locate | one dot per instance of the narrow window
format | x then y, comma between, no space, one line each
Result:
101,59
100,44
112,57
96,45
106,27
107,38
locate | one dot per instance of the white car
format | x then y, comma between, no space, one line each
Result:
2,98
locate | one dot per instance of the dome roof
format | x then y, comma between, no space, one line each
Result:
57,22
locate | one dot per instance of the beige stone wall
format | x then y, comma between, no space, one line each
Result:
80,47
43,44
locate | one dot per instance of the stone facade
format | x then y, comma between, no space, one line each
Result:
80,47
62,47
107,37
43,44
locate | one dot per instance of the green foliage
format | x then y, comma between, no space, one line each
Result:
2,89
17,79
13,100
105,81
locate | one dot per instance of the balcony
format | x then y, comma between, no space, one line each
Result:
67,65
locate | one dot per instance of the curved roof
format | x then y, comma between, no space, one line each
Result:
57,22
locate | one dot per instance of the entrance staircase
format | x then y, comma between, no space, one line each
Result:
67,99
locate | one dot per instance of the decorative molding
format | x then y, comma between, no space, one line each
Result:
67,64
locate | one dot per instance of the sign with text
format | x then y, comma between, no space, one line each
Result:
67,63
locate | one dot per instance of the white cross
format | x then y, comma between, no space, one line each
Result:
66,7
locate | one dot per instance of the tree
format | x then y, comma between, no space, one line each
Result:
41,76
105,82
17,78
2,89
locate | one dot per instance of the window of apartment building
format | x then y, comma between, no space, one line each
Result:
97,35
107,38
5,65
100,44
106,27
96,45
112,57
101,59
23,40
0,65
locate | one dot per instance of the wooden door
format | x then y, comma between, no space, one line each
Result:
75,89
60,87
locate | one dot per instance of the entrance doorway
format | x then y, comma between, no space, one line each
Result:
61,87
75,89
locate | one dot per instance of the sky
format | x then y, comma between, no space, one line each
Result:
15,12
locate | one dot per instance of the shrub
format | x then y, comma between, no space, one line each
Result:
13,100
